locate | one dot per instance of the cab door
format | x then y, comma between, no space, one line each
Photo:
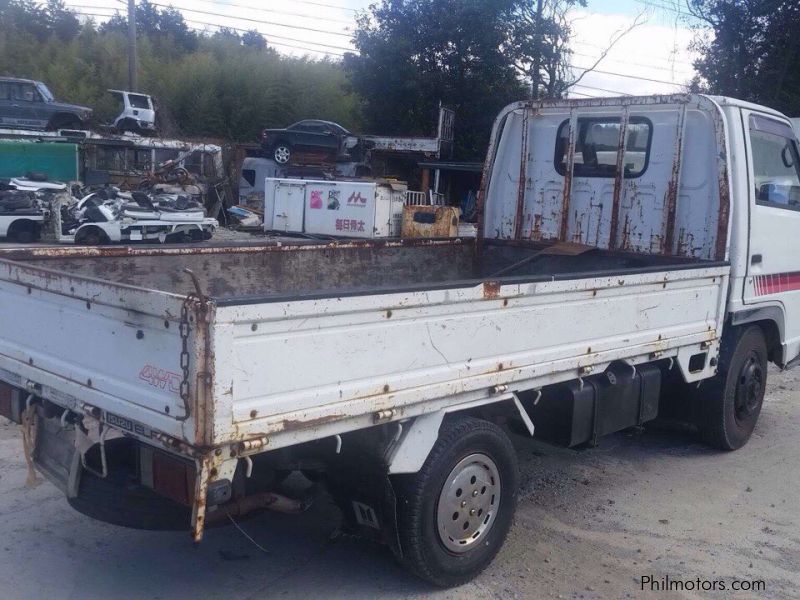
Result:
27,109
773,264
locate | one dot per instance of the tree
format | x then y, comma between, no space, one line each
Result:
223,86
474,55
164,27
540,41
754,52
415,53
253,39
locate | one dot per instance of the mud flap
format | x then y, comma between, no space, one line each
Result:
360,485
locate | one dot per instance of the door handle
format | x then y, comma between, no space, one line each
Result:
755,259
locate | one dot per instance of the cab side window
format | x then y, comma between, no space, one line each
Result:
776,163
23,92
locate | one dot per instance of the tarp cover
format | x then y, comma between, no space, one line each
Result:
58,161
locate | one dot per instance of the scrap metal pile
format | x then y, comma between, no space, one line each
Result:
98,215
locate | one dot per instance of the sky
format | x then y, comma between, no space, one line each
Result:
651,58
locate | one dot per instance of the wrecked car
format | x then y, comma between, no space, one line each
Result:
138,113
29,104
309,136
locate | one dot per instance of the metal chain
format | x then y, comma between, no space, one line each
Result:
184,332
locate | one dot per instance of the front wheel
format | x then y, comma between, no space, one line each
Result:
454,514
732,403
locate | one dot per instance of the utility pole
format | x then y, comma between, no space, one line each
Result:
132,84
537,51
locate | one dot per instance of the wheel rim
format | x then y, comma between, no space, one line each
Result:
468,503
282,154
749,388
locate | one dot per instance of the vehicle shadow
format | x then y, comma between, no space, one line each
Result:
307,555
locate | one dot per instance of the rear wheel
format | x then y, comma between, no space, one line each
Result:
92,236
23,231
454,514
733,400
282,153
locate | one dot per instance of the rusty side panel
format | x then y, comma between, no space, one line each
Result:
46,252
619,179
480,207
258,272
724,187
673,186
523,163
568,173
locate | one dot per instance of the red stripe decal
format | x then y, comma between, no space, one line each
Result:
776,283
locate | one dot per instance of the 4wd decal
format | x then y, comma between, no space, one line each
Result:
161,378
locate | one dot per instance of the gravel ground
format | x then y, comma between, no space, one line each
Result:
590,524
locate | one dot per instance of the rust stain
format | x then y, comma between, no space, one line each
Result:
48,252
294,424
491,289
536,232
568,173
523,161
722,218
619,177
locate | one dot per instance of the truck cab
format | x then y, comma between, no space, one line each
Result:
765,219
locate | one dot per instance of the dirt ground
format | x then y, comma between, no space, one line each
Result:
590,524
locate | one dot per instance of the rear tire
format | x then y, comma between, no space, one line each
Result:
733,399
282,153
92,236
454,514
23,232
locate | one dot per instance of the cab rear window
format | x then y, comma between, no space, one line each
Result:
596,143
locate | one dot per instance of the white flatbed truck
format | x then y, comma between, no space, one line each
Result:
636,257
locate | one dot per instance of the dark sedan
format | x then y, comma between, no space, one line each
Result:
310,135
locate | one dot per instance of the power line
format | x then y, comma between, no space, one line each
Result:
584,69
668,8
626,62
235,18
587,70
325,5
651,56
268,35
599,89
268,38
274,11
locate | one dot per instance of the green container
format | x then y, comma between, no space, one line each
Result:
58,161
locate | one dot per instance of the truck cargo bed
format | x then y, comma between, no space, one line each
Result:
252,273
297,343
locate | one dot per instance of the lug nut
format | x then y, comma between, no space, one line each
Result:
475,493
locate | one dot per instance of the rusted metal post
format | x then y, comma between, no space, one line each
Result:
619,177
519,217
673,187
568,173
